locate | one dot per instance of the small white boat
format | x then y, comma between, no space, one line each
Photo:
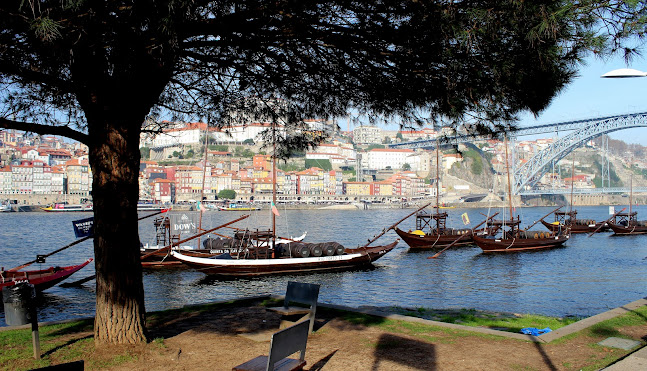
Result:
5,207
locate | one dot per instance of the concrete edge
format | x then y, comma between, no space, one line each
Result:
453,326
593,320
545,338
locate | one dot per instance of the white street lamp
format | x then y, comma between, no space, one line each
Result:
624,73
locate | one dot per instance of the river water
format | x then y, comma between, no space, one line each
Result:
586,277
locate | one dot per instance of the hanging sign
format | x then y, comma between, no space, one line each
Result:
183,223
83,227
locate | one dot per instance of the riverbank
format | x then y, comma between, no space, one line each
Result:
221,335
585,201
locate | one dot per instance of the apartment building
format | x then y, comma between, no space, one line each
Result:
367,135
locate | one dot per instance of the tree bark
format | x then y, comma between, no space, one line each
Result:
114,158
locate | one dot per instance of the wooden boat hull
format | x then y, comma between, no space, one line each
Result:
41,279
576,228
161,259
261,267
520,244
627,230
431,241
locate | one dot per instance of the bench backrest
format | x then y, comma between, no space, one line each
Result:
287,342
304,293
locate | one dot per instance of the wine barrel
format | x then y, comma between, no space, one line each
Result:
315,249
339,249
299,250
328,249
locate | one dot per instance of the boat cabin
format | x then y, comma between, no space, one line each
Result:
566,217
509,228
626,219
424,222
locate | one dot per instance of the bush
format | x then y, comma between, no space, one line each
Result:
322,164
229,194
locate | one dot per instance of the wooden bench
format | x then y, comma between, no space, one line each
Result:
283,344
301,293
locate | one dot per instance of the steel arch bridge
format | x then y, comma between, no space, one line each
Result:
527,175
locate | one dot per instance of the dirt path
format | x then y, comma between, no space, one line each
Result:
216,340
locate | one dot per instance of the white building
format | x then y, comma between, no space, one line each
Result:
189,134
383,158
367,135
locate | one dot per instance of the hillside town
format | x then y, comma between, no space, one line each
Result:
352,165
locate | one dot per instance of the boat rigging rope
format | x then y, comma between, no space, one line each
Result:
437,238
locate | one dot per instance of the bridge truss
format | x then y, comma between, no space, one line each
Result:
527,175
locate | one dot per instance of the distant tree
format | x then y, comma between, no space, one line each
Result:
374,146
248,141
219,148
228,194
190,153
387,140
176,154
145,153
399,136
322,164
96,71
406,167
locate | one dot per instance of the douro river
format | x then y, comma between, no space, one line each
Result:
585,277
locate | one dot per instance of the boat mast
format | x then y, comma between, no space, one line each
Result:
507,168
437,184
631,191
204,171
273,182
570,210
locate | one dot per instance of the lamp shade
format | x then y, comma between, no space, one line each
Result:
624,72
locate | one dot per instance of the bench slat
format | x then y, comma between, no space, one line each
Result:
287,311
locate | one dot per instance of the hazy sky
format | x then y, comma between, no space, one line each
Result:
592,96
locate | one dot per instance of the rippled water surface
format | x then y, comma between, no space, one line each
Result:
586,277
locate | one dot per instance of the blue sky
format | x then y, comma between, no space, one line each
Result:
589,96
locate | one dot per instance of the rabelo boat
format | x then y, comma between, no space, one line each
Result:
431,229
627,223
42,279
506,235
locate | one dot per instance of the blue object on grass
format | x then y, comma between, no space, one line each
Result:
535,331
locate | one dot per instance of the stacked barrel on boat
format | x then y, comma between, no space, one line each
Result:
284,250
304,250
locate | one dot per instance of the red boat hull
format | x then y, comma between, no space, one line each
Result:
519,244
41,279
431,241
627,230
576,228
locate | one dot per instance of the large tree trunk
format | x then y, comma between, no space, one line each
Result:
114,158
116,88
